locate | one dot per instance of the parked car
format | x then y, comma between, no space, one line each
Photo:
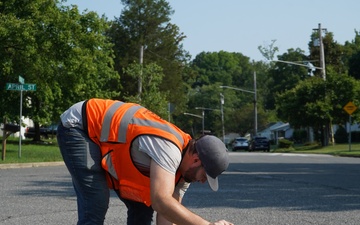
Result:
30,132
240,143
259,143
52,129
45,132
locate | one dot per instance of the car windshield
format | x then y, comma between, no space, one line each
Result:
241,139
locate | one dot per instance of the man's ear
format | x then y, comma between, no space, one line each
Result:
195,159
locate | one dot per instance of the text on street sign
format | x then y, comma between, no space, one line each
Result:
20,87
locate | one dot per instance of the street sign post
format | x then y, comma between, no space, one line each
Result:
350,108
20,87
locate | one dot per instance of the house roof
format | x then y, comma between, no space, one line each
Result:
281,127
271,126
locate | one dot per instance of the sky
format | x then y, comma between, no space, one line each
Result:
243,25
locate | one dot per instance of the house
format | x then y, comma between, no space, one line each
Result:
282,131
277,131
267,132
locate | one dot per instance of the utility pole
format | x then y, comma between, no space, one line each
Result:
255,107
222,101
255,102
140,75
321,53
203,116
328,127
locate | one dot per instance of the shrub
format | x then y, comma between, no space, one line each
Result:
283,143
355,136
341,136
300,136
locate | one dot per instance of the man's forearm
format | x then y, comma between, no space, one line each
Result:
160,220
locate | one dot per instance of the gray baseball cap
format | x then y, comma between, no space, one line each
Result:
214,158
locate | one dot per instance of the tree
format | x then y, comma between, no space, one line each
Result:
64,53
284,76
315,102
213,69
352,51
269,51
332,50
225,67
147,23
151,98
207,97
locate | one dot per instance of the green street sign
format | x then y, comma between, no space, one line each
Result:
21,80
20,87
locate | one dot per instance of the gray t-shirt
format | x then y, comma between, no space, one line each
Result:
143,149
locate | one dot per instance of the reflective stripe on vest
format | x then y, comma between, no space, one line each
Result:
110,166
106,126
160,126
125,121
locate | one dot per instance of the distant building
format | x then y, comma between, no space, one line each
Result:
267,132
283,131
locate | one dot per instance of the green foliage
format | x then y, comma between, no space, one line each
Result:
147,23
41,151
300,135
283,143
61,51
315,148
269,51
341,89
332,50
228,69
224,67
70,57
284,76
150,97
351,56
315,102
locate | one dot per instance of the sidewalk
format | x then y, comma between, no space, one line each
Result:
28,165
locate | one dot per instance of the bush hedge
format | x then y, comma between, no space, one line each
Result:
283,143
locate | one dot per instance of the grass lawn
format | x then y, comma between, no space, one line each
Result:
45,151
352,150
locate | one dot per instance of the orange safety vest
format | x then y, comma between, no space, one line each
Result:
113,125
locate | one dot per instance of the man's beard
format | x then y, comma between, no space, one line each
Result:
190,174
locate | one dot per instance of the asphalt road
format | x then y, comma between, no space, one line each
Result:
258,188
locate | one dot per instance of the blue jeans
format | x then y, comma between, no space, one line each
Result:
82,157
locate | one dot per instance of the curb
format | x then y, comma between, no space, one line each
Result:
29,165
